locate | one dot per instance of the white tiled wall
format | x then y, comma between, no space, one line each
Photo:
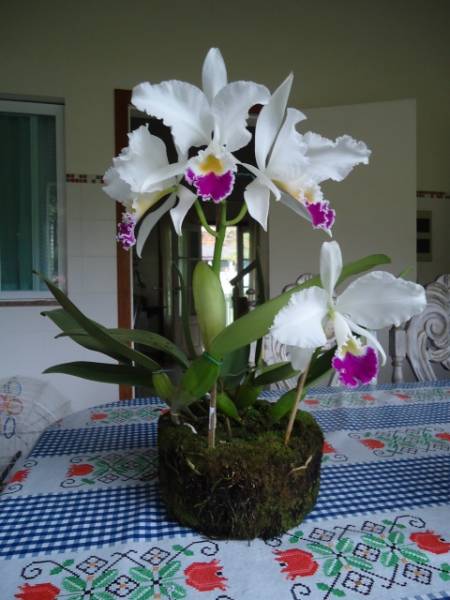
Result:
92,285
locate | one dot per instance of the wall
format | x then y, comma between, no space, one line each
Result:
439,205
375,204
347,52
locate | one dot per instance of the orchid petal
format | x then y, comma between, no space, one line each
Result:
356,369
287,159
185,200
263,179
231,107
330,266
214,73
370,337
296,206
163,177
117,188
150,221
333,160
342,331
257,198
299,323
379,299
300,357
181,106
270,120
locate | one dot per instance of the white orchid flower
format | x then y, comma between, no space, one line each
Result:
296,164
314,315
215,117
141,175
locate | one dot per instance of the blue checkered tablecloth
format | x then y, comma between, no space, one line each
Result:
81,517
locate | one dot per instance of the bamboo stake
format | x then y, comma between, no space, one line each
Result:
212,418
298,395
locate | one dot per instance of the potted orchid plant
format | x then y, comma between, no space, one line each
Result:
232,465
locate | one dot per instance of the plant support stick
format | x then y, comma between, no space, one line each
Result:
212,418
298,395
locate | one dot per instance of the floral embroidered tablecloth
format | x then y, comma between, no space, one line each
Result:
80,517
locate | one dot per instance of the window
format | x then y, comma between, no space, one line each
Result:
32,180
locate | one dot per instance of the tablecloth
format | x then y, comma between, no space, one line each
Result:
81,518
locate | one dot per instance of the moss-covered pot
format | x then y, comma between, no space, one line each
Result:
250,485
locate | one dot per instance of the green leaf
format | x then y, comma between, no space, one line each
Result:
136,336
99,595
183,550
198,379
396,537
414,555
445,575
374,541
320,549
296,536
104,372
247,395
185,313
320,364
73,584
177,592
141,574
105,579
283,405
68,562
163,386
338,593
235,367
344,545
359,563
323,586
226,405
276,372
209,301
388,559
56,570
170,569
257,322
142,593
332,566
98,332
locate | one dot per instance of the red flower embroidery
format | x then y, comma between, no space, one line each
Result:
78,470
40,591
98,416
327,448
443,436
368,397
296,563
372,444
205,577
430,541
19,476
311,401
402,396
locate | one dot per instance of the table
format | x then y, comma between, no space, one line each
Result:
81,518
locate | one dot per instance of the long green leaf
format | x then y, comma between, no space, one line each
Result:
97,331
257,322
226,405
104,372
276,372
320,365
199,378
235,367
185,311
137,336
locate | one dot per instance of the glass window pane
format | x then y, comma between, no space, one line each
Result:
28,228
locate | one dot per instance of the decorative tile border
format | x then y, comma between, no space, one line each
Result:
83,178
427,194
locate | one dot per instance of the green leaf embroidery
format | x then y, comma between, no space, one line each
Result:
296,536
142,593
359,563
141,574
184,551
373,541
344,545
56,570
389,559
415,555
73,584
396,537
102,596
170,569
332,566
320,549
445,575
105,579
323,586
338,593
177,592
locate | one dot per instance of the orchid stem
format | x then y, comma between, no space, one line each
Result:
220,238
212,418
202,219
239,217
298,395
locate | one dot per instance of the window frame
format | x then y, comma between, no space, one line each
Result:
32,107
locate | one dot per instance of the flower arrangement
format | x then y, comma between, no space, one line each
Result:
320,329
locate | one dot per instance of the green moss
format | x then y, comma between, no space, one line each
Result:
250,485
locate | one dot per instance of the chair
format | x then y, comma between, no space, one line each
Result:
424,340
